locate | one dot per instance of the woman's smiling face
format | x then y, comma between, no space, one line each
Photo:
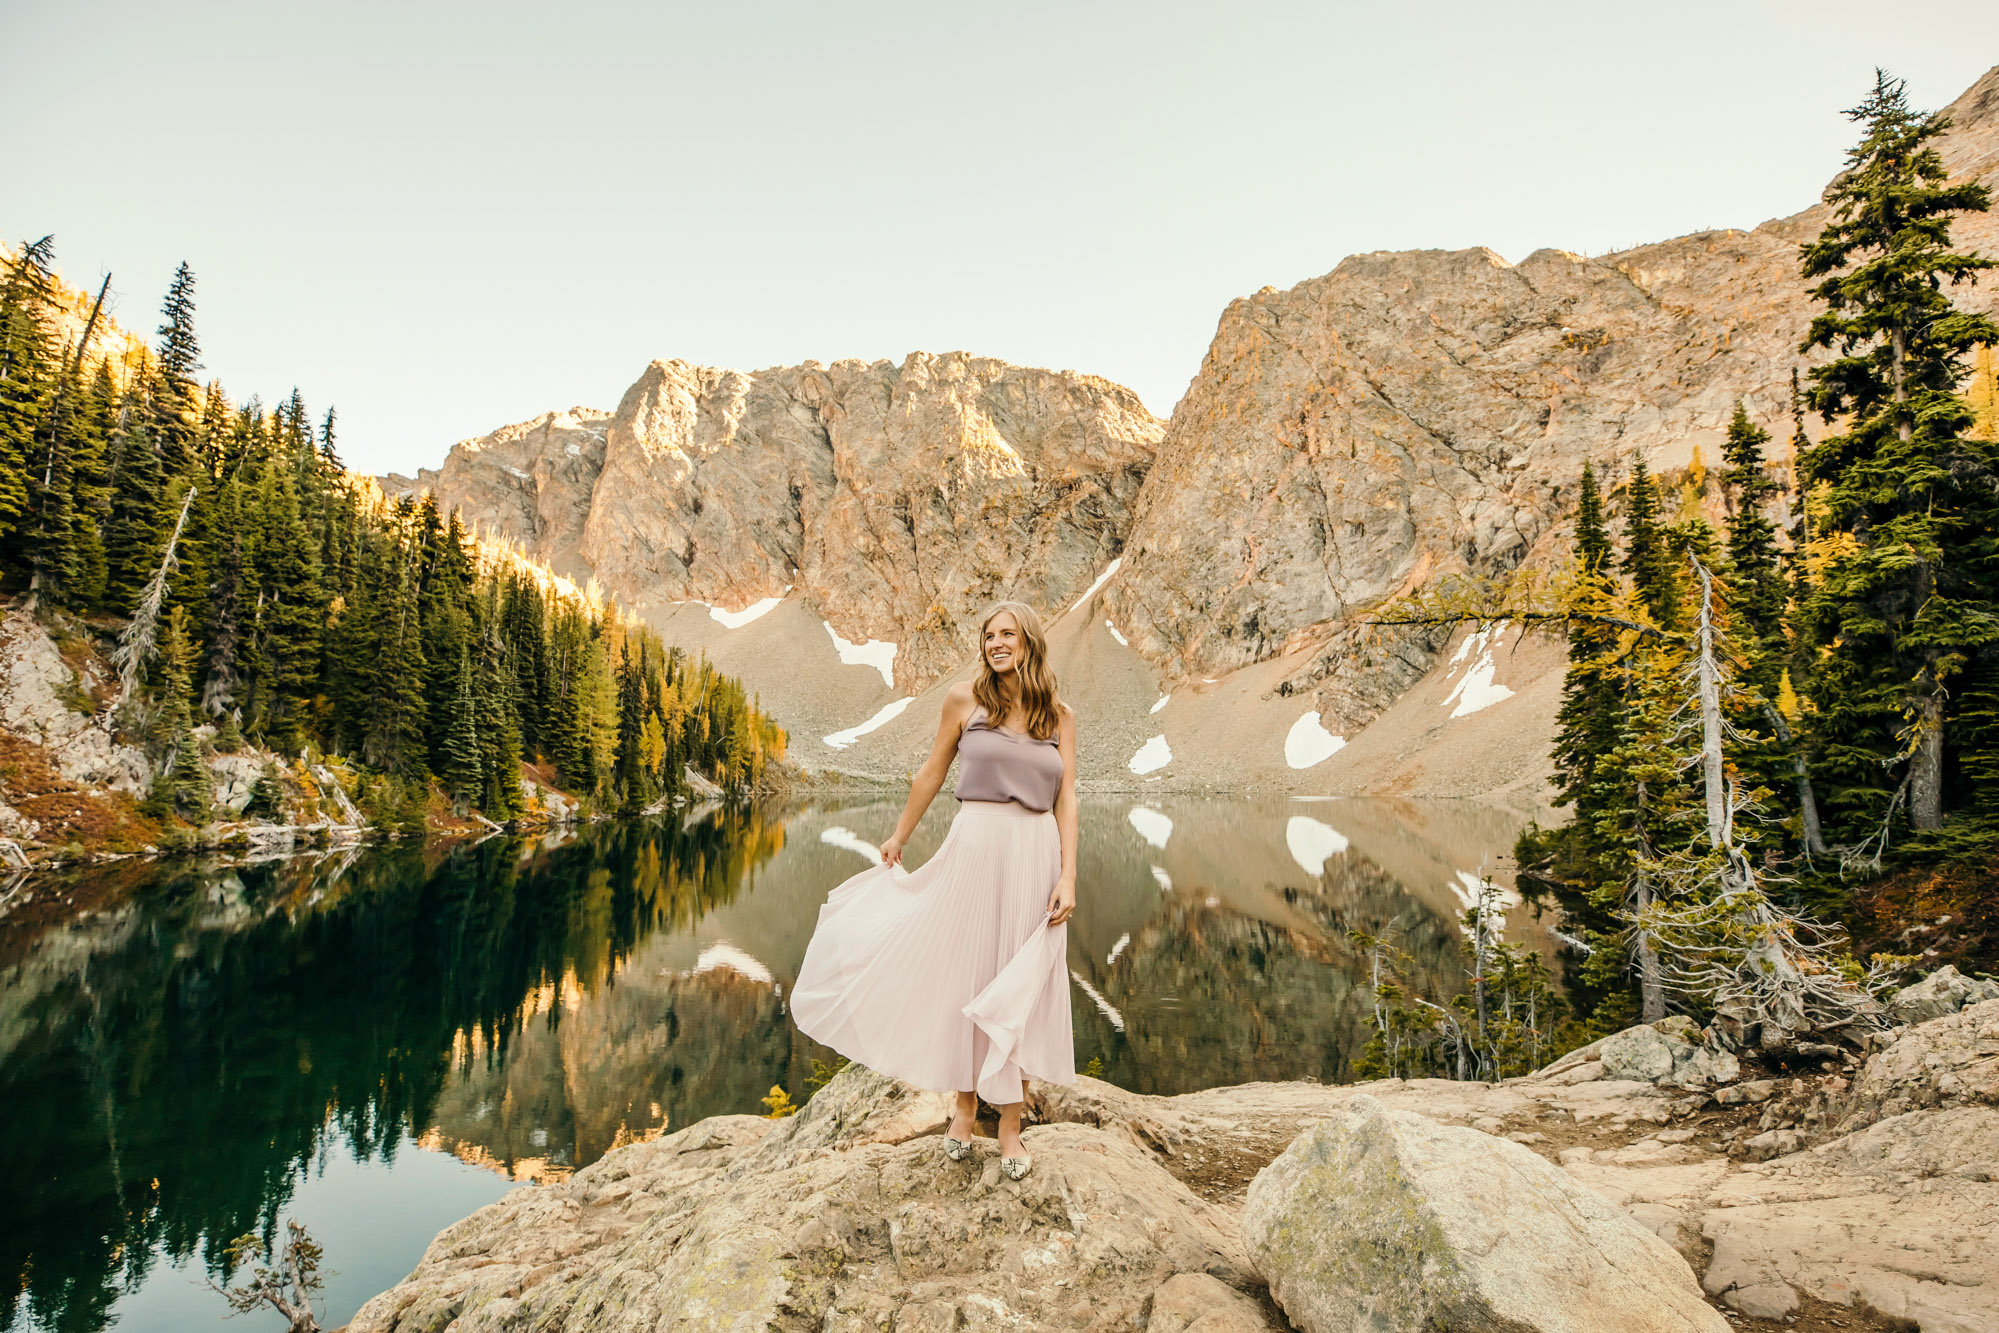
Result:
1003,646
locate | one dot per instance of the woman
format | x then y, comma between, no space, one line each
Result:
953,976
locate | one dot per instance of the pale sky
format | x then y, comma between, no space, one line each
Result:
444,218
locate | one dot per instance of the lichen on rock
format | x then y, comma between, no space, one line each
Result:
1377,1218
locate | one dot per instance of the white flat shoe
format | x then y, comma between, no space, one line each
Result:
957,1149
1015,1167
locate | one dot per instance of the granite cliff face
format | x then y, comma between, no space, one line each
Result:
898,499
1411,414
532,482
1404,417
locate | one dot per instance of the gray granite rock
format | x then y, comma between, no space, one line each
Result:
1380,1219
845,1217
1944,991
1661,1053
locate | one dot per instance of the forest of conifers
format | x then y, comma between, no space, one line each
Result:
1840,631
255,585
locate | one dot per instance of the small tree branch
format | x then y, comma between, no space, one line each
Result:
1528,617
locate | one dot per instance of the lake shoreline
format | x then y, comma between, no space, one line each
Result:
1736,1171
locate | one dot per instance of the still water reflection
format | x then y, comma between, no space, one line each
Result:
377,1042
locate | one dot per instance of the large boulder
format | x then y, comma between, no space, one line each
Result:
1944,991
1948,1061
1380,1219
1664,1053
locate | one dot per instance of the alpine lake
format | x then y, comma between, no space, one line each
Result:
376,1041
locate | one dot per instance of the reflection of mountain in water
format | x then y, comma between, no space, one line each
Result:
1222,948
168,1066
591,1071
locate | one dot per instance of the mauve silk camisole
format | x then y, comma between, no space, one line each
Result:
996,765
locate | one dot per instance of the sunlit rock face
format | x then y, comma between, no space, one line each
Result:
899,498
1413,414
531,481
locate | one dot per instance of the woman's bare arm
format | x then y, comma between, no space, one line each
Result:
1062,900
929,779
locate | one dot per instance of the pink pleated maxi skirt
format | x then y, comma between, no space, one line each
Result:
949,976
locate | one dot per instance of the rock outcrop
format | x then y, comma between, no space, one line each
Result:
532,481
1146,1208
1671,1052
839,1218
1947,1062
1385,1219
1944,991
48,704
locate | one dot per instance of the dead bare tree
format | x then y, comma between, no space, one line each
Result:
289,1286
1771,975
89,327
1808,802
135,645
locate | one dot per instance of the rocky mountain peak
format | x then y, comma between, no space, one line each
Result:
899,498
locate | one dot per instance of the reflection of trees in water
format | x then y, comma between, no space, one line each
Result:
192,1052
1211,996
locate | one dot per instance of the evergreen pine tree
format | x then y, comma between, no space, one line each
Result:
1906,596
526,623
499,723
565,738
293,609
1587,723
233,586
1647,558
176,398
459,765
97,410
395,739
213,437
1804,641
183,781
141,504
329,456
447,619
53,539
630,772
354,638
28,373
1752,537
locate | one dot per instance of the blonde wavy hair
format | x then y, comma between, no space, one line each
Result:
1037,681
